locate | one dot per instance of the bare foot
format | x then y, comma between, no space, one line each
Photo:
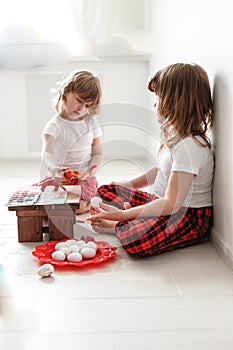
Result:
104,226
83,207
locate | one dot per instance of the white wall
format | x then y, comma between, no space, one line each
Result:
200,31
25,106
193,31
25,88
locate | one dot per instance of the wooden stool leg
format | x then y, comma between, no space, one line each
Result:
30,228
61,224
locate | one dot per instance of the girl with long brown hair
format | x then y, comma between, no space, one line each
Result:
179,211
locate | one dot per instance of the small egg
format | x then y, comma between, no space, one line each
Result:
74,257
81,243
45,270
60,244
86,237
74,248
88,253
58,255
91,244
70,242
95,202
65,250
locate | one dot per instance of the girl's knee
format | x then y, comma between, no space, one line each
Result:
105,188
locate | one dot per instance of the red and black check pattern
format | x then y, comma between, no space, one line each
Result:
149,236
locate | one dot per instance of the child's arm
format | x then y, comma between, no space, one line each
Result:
47,153
96,160
178,187
97,154
47,158
141,181
146,179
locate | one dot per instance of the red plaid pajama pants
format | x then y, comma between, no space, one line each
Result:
88,186
149,236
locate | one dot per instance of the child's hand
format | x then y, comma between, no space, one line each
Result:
58,176
127,205
70,174
93,210
109,212
88,173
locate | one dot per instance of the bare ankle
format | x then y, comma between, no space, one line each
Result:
83,207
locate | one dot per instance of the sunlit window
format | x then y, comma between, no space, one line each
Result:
80,24
44,20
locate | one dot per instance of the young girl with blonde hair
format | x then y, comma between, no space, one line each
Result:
179,211
73,138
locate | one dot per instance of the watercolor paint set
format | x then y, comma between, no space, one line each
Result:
35,195
25,196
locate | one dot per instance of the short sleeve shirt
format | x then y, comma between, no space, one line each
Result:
187,156
73,141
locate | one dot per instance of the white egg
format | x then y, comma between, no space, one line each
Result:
74,248
88,253
65,250
70,242
58,255
91,244
60,244
74,257
45,270
95,202
81,243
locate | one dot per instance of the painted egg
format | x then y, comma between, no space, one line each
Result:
74,257
45,270
58,255
88,253
86,238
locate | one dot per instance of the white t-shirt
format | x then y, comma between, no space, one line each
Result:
187,156
73,146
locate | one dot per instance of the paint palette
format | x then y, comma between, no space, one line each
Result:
52,196
26,196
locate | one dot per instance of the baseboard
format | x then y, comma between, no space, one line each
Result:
222,248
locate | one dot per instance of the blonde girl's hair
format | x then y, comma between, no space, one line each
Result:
184,102
85,85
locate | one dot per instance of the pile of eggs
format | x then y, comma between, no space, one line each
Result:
74,250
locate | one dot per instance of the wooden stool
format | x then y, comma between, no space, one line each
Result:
61,218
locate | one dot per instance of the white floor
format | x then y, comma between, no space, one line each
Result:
178,300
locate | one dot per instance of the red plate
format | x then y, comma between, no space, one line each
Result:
103,253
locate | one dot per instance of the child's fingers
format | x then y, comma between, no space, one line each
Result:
108,208
127,205
65,181
83,176
86,174
92,167
95,217
93,210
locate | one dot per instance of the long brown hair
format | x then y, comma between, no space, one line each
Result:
185,102
83,83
